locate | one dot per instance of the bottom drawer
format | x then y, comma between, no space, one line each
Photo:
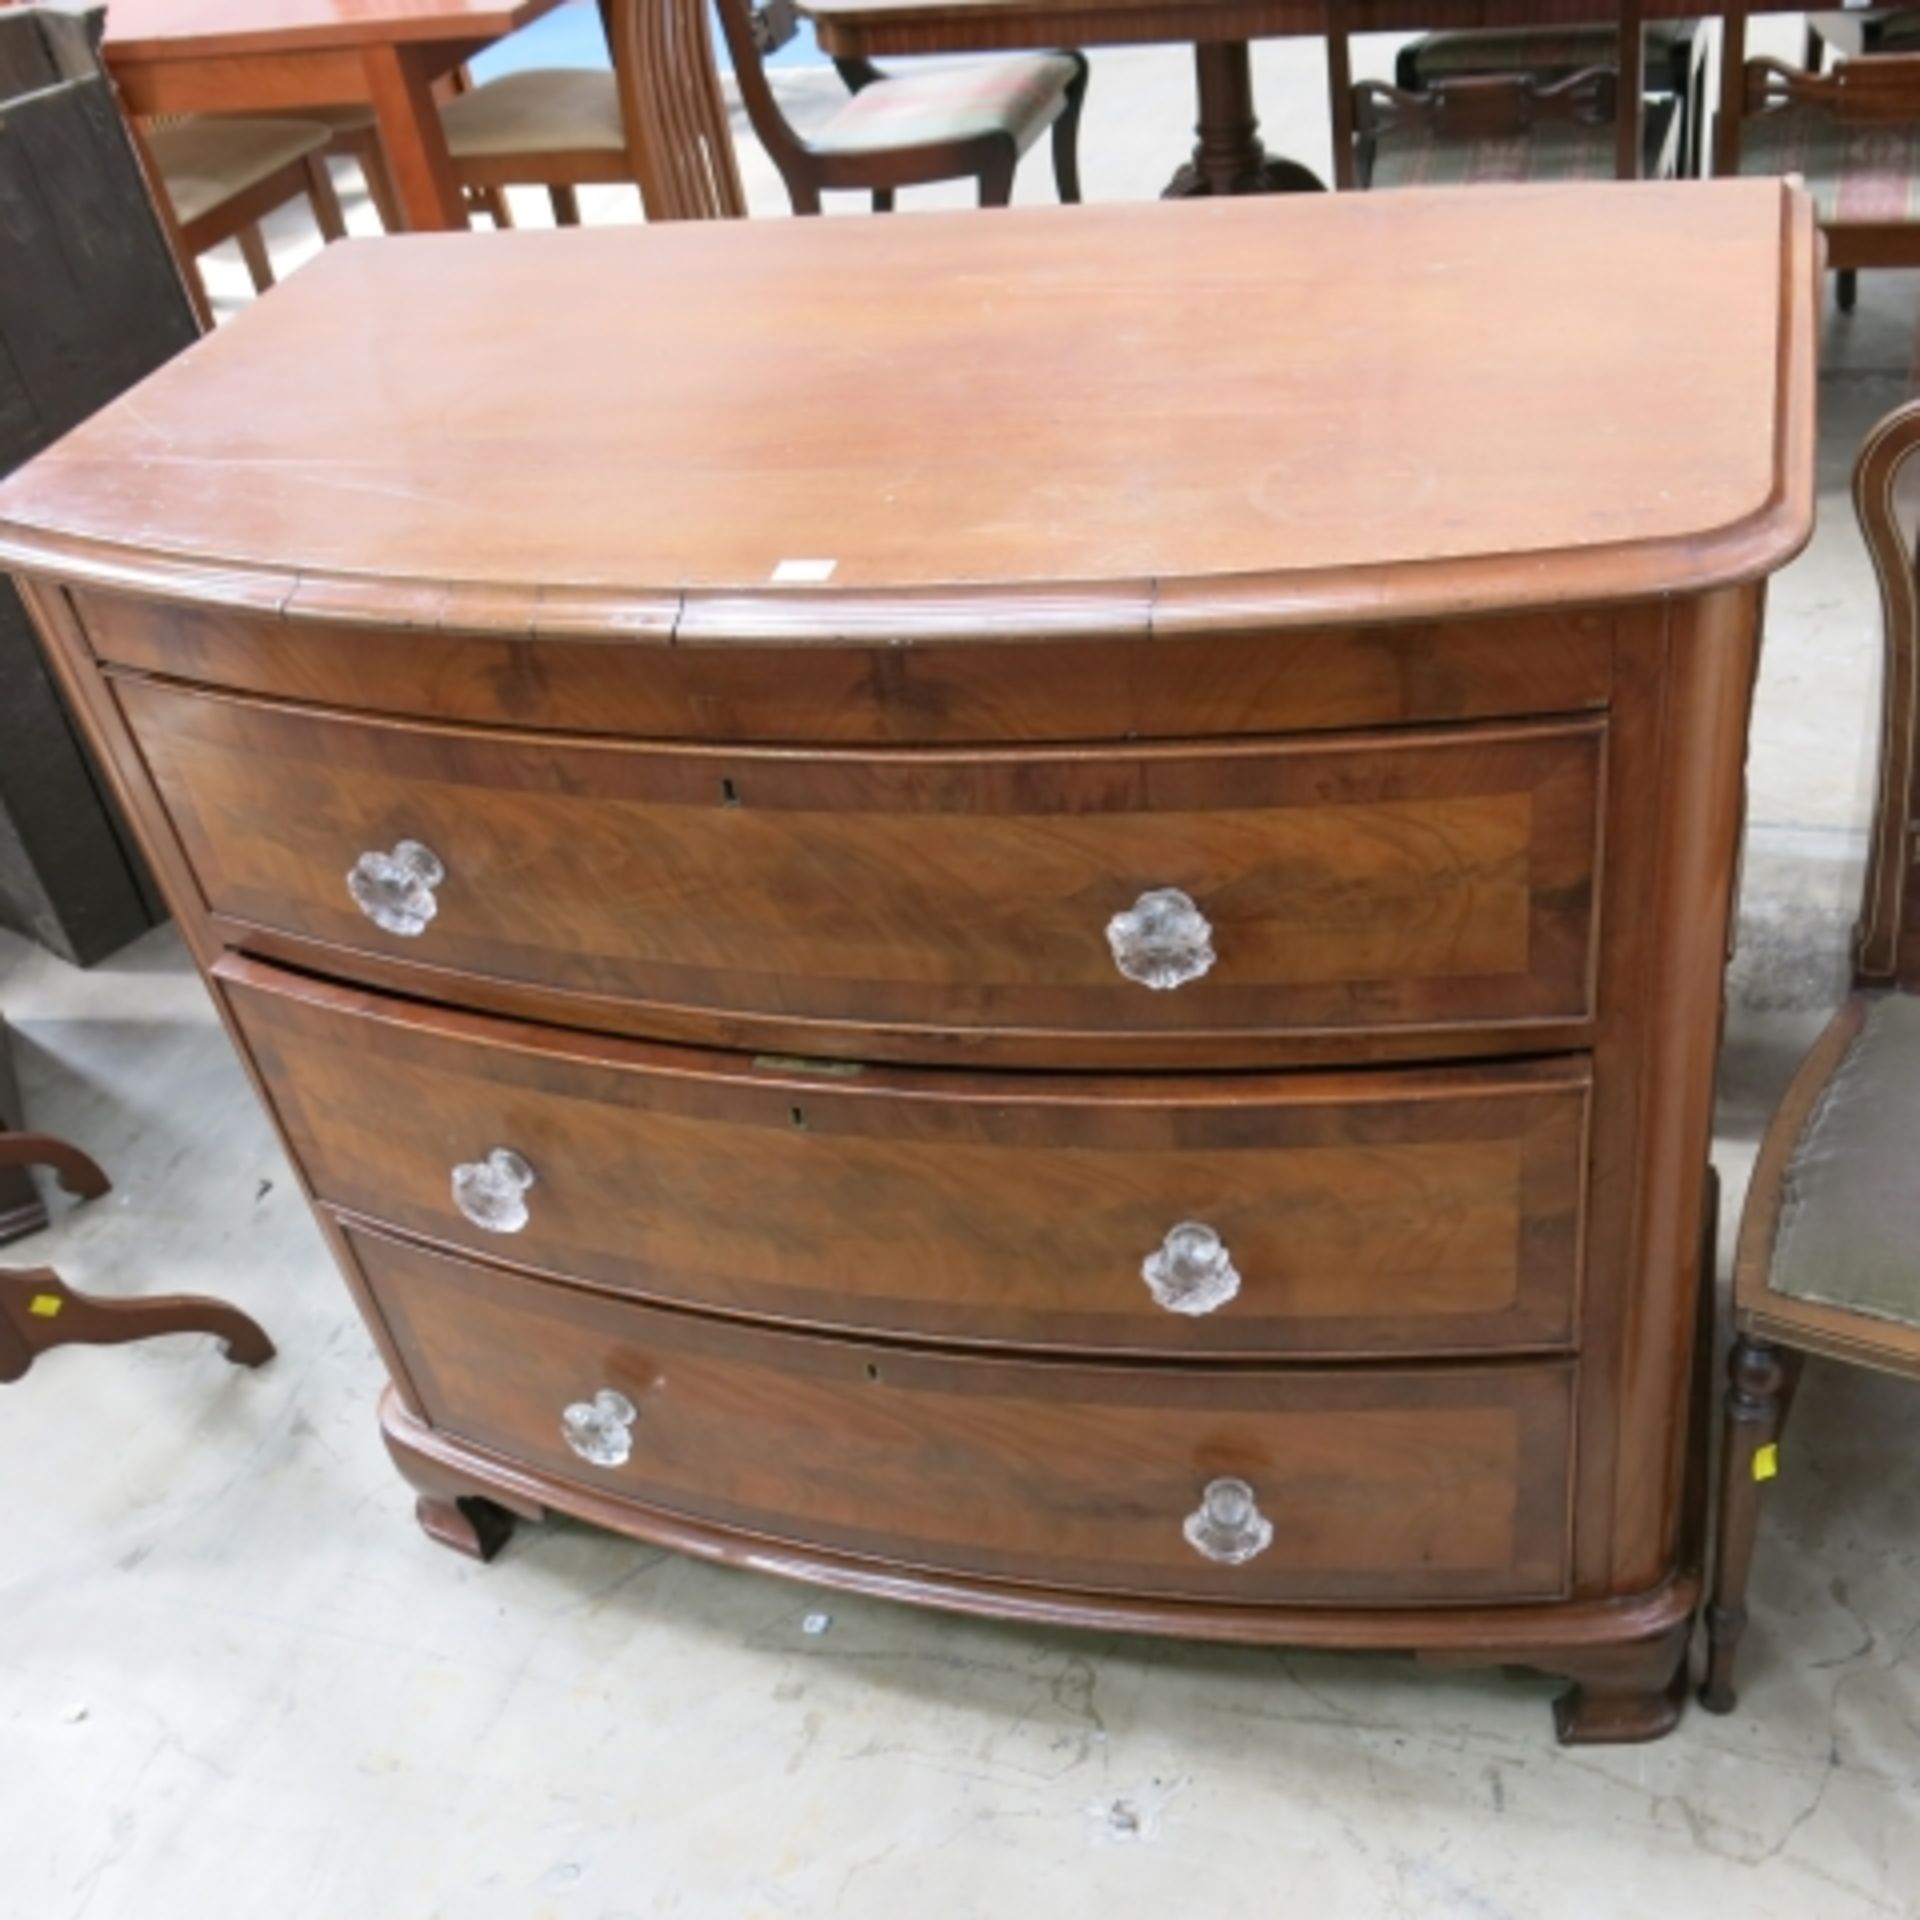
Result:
1376,1484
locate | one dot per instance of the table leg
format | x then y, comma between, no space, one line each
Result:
400,85
1227,155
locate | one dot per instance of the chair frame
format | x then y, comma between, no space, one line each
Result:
239,218
39,1311
679,145
808,171
1491,95
1861,88
1686,80
679,137
1773,1331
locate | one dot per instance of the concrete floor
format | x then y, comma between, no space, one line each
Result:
235,1681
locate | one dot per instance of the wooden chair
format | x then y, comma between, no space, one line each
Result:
954,121
1673,63
222,176
1501,127
660,120
1828,1259
1853,137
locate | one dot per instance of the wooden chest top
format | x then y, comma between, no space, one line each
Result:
1098,420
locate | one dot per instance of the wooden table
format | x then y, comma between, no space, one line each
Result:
1015,942
277,56
1228,156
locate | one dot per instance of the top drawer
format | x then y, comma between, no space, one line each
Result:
863,901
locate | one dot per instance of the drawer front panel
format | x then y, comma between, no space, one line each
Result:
1160,688
1351,1214
1409,880
1378,1485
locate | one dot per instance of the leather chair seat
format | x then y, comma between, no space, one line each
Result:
1849,1233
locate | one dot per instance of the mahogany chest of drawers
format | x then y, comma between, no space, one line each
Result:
1024,911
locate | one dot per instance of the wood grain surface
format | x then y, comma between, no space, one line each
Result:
1058,420
1403,879
1388,1213
1391,1485
1152,687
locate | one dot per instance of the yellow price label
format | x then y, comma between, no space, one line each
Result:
1766,1461
46,1305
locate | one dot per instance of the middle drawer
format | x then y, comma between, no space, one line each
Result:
1376,1212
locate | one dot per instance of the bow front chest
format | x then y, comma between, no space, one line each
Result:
1022,911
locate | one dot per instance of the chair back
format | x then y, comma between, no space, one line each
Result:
741,22
1886,941
1490,106
675,113
1495,106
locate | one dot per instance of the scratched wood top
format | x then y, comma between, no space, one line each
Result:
1097,419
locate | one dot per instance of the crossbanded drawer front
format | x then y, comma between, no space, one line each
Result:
967,690
1377,1485
1320,1214
1413,880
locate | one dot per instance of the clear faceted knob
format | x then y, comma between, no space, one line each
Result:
492,1193
1162,940
395,890
600,1430
1191,1271
1228,1527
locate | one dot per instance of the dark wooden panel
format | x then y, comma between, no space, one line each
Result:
90,302
1166,688
1389,1485
1365,1214
1403,879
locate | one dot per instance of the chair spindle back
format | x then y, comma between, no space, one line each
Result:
675,112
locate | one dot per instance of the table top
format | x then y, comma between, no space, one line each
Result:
197,29
1108,418
958,26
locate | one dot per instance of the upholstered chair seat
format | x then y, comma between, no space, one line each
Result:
206,161
1849,1227
1019,97
1856,170
558,110
1421,156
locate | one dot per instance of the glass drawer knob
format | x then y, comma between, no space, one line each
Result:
492,1193
1162,940
1191,1270
600,1430
395,890
1228,1527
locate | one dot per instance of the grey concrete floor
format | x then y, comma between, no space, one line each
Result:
235,1681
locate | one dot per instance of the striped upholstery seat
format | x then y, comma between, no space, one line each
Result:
1857,171
1020,97
1547,51
1414,156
